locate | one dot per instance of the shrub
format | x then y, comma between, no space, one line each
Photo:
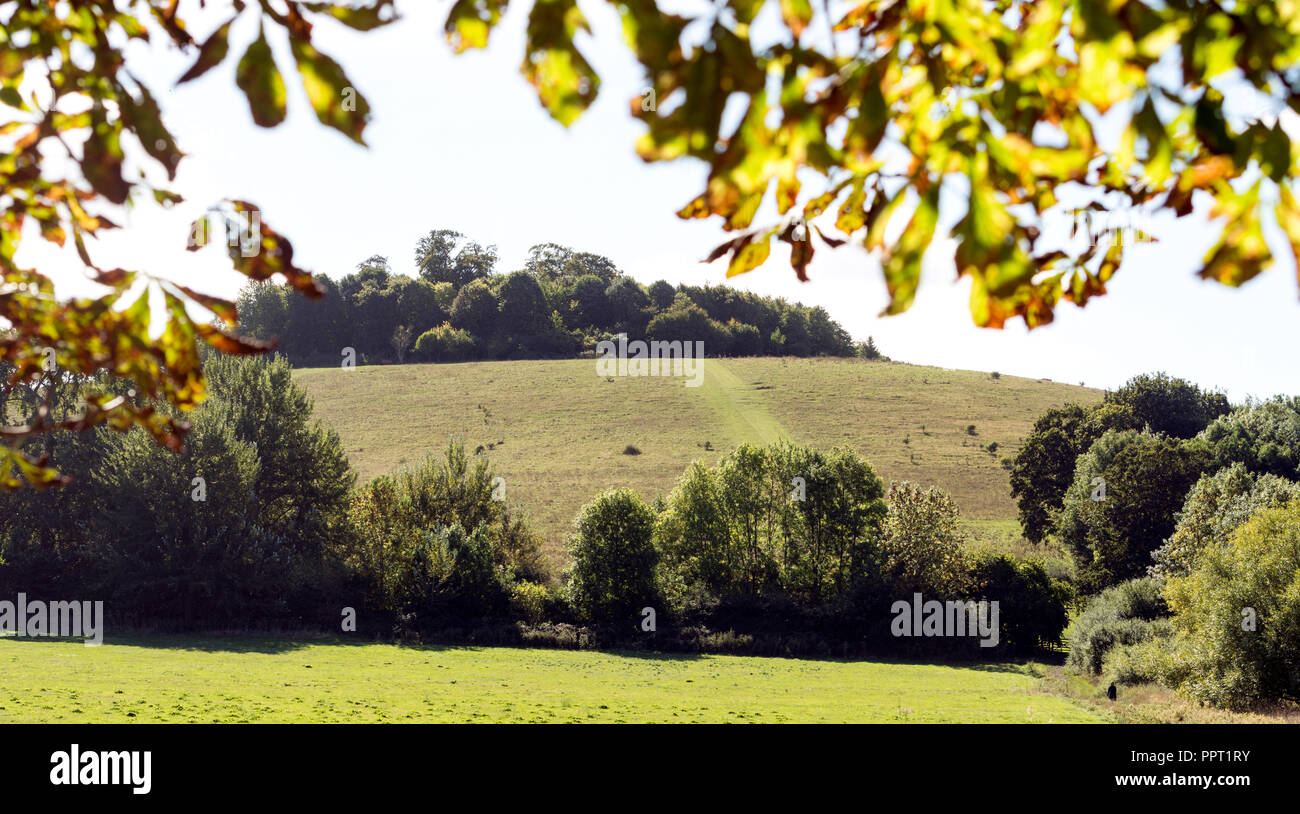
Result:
528,601
1235,663
445,344
1124,614
614,558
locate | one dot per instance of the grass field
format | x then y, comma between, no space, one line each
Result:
558,431
230,680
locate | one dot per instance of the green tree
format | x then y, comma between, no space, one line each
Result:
923,547
446,256
1264,437
1043,469
1122,504
1172,406
1214,508
524,315
614,557
476,310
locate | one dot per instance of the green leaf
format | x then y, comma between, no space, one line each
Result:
565,83
337,103
471,21
261,83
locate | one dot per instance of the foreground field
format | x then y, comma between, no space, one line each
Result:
231,680
557,432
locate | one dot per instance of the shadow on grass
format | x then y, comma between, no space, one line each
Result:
273,644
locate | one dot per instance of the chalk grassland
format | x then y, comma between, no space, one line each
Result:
557,431
231,680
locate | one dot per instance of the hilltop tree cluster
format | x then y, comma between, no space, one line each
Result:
560,304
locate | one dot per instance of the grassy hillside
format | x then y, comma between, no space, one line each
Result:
557,432
174,679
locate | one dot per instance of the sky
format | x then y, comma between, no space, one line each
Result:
461,142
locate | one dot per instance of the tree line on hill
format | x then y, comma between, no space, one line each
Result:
1183,516
560,304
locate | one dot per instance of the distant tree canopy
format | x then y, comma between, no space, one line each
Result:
559,304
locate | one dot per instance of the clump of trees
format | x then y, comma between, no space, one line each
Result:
787,544
561,303
1183,514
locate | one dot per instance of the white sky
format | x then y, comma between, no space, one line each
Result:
461,142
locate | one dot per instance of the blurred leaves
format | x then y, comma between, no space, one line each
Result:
1000,98
112,359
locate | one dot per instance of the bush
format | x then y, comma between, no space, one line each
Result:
445,344
1127,613
528,601
614,558
1234,663
1031,605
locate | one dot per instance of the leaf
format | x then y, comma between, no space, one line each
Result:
902,265
101,160
260,80
748,251
565,83
1241,252
337,103
471,21
146,120
359,18
211,53
224,309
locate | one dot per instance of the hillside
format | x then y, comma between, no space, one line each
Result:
558,431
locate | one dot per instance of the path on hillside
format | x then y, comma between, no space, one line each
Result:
742,408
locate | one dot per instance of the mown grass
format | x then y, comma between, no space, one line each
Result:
557,432
237,679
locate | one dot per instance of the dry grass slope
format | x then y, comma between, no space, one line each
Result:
556,431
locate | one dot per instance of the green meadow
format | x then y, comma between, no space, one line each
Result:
164,679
